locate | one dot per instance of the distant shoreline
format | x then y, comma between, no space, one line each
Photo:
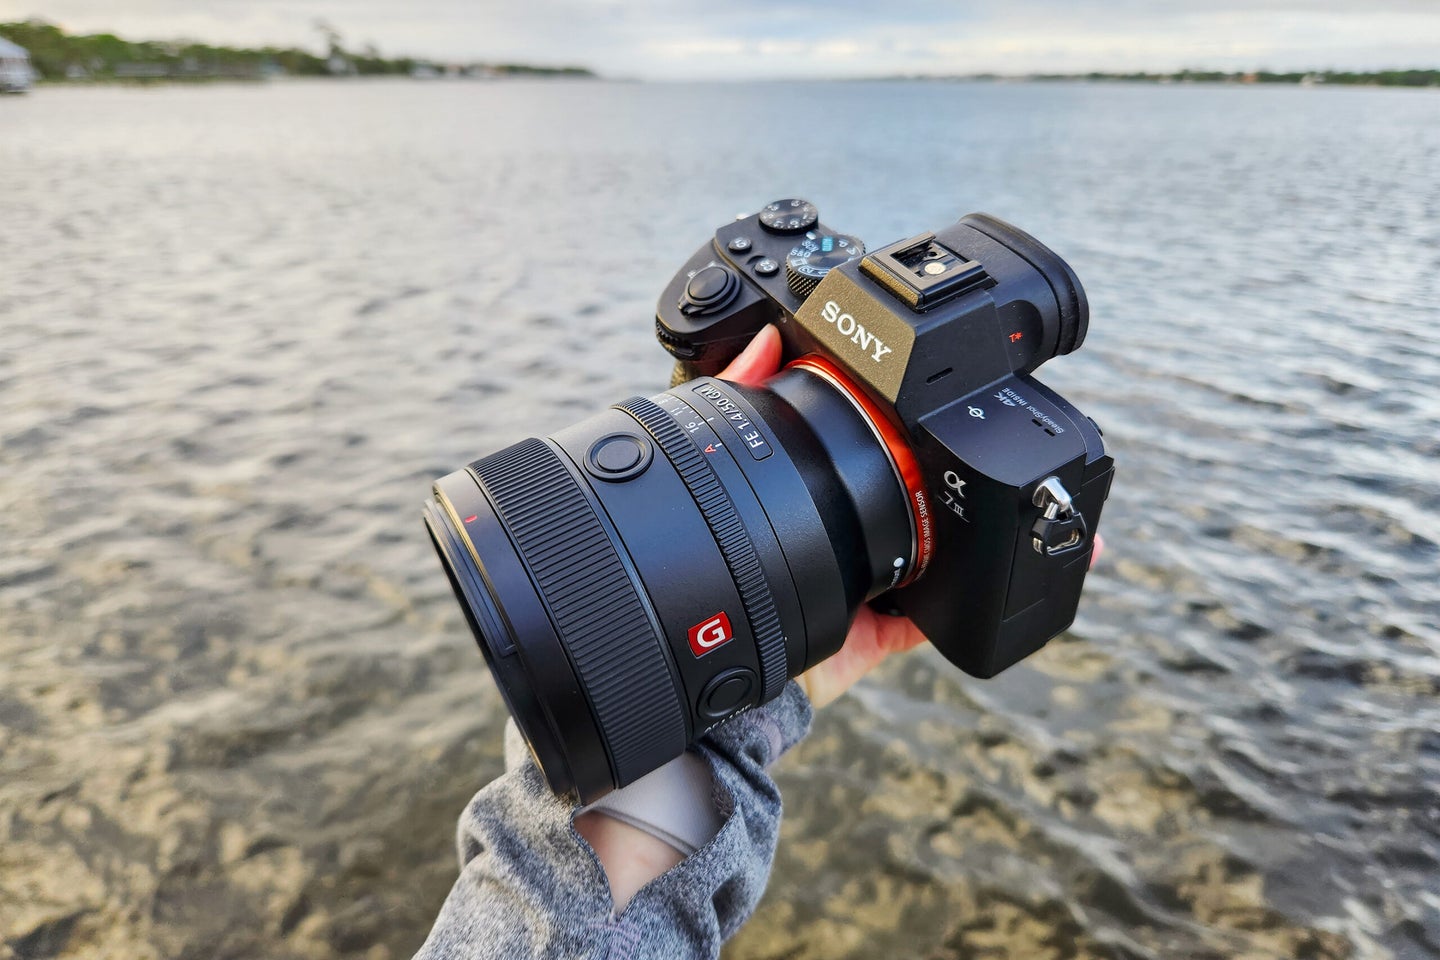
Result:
58,57
363,79
1310,78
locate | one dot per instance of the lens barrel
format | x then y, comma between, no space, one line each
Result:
637,578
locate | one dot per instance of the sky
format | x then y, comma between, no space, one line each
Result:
746,39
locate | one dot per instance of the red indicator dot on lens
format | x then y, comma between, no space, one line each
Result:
1015,336
471,518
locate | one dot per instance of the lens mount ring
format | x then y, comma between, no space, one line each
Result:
730,536
897,449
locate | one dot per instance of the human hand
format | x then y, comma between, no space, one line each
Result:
873,636
633,857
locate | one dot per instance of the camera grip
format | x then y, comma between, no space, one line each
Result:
687,370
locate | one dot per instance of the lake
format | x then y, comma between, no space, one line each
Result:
243,327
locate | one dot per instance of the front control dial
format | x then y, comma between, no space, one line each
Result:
789,216
809,260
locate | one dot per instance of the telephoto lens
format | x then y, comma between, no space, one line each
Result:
645,574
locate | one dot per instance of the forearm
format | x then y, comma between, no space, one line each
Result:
631,857
530,885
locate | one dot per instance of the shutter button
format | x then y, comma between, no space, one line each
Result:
619,456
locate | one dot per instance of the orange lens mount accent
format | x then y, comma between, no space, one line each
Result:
897,445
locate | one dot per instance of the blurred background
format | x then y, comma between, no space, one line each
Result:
265,273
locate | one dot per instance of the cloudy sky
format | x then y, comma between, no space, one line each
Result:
665,39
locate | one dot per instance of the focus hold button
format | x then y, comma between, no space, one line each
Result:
708,291
619,456
726,692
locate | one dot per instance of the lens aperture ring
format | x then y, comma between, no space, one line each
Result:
593,602
730,536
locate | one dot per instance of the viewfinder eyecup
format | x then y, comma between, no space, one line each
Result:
1070,300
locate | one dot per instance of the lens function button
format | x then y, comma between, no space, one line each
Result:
727,692
617,457
618,454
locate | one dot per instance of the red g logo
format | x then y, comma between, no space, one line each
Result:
709,634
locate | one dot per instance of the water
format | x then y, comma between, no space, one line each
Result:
241,328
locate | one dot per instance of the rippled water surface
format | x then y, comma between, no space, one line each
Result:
241,328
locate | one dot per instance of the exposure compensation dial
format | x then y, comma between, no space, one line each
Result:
816,255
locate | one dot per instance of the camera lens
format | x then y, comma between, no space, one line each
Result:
643,575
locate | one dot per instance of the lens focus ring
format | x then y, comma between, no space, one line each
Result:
596,609
730,535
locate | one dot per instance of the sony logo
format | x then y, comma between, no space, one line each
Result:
848,326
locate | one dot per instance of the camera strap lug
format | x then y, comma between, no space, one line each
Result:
1061,529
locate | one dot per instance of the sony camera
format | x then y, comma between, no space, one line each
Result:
672,561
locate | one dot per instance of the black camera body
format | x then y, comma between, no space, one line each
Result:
937,334
672,561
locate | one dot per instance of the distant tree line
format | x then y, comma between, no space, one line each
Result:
57,56
1380,78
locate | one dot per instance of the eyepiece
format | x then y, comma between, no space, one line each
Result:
1072,309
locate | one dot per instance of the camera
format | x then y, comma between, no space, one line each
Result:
672,561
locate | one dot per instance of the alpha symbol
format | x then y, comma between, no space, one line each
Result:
951,497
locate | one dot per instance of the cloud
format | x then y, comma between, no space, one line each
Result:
784,38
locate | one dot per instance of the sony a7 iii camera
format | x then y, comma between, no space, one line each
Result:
641,576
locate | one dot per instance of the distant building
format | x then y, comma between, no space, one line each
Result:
15,72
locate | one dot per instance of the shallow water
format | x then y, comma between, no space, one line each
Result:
241,328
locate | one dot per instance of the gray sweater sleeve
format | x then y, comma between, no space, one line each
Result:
529,886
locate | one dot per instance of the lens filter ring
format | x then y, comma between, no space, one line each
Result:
730,536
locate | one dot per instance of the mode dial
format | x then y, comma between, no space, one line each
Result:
789,216
809,260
